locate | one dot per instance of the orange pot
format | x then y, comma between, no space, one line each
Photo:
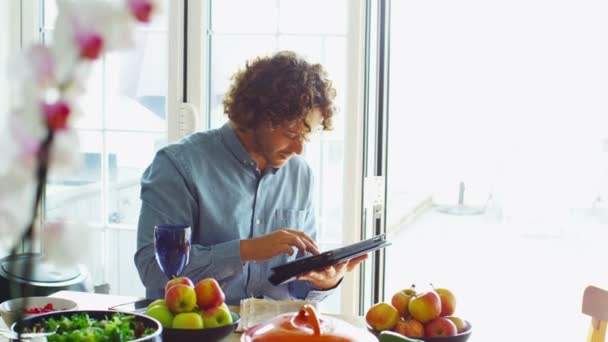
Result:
306,326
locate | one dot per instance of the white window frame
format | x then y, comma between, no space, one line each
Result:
352,223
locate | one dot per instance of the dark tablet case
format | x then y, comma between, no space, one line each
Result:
288,271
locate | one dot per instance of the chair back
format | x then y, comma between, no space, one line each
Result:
595,304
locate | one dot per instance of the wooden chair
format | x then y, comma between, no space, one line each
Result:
595,304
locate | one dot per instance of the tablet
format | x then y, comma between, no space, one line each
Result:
289,271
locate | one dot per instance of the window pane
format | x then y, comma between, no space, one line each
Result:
244,16
136,88
229,53
50,14
78,196
310,47
497,159
128,156
91,103
314,16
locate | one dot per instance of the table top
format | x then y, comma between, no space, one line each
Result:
95,301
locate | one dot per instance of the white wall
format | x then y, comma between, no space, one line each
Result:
5,42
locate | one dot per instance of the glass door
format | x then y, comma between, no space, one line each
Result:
322,32
497,177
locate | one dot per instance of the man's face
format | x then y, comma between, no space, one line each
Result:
277,145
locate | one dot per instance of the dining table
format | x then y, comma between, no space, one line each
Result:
97,301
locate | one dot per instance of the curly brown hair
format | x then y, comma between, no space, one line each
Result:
279,89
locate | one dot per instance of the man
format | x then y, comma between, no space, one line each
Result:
243,188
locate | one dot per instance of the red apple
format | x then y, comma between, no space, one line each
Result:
401,300
209,294
409,328
188,320
180,298
425,306
382,316
461,324
179,280
440,327
217,316
448,302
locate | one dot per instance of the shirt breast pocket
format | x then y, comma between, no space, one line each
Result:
289,218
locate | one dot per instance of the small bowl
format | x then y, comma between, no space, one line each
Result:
9,308
148,322
205,334
462,337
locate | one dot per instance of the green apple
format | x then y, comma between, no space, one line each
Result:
391,336
162,314
158,302
217,316
188,320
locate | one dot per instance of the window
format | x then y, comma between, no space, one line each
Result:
498,165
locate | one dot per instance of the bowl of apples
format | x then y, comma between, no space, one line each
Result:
428,316
193,312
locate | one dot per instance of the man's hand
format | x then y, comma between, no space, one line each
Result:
275,243
330,276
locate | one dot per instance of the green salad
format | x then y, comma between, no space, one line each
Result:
81,327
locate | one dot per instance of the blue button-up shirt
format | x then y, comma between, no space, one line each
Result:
210,182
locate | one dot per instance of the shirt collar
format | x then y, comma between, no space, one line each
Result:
238,150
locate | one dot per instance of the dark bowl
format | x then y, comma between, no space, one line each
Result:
99,315
462,337
206,334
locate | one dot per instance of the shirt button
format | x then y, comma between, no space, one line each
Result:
258,221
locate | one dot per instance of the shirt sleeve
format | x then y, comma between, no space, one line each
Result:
167,197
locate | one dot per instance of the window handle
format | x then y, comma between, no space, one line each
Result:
187,121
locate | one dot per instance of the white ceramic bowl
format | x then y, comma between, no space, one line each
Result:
9,308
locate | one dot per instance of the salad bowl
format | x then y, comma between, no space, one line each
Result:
81,325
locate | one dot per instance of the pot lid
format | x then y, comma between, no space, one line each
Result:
42,271
305,325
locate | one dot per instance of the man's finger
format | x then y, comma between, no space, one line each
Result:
356,261
287,249
313,248
310,244
297,242
307,276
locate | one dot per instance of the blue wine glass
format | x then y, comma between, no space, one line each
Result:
172,248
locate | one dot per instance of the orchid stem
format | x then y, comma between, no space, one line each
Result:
41,177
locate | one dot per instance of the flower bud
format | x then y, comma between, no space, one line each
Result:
141,9
90,44
56,115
